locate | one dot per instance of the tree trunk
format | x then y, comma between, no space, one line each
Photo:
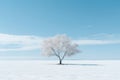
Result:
60,61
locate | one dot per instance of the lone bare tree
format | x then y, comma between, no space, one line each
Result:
59,46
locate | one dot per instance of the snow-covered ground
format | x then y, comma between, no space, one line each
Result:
48,70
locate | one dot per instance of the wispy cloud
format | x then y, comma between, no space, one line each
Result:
20,42
28,42
100,39
109,36
96,42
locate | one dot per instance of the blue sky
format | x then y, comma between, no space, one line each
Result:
80,19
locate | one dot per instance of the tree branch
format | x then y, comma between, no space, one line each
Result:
55,53
64,55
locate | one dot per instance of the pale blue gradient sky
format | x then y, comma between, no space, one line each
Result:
79,19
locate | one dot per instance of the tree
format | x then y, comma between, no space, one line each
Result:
59,46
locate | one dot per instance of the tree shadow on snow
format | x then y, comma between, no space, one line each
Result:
83,64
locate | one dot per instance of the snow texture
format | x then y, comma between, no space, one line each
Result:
49,70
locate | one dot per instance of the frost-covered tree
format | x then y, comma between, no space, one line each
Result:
59,46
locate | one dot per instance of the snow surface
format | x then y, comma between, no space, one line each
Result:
49,70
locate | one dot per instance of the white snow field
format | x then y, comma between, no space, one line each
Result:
49,70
